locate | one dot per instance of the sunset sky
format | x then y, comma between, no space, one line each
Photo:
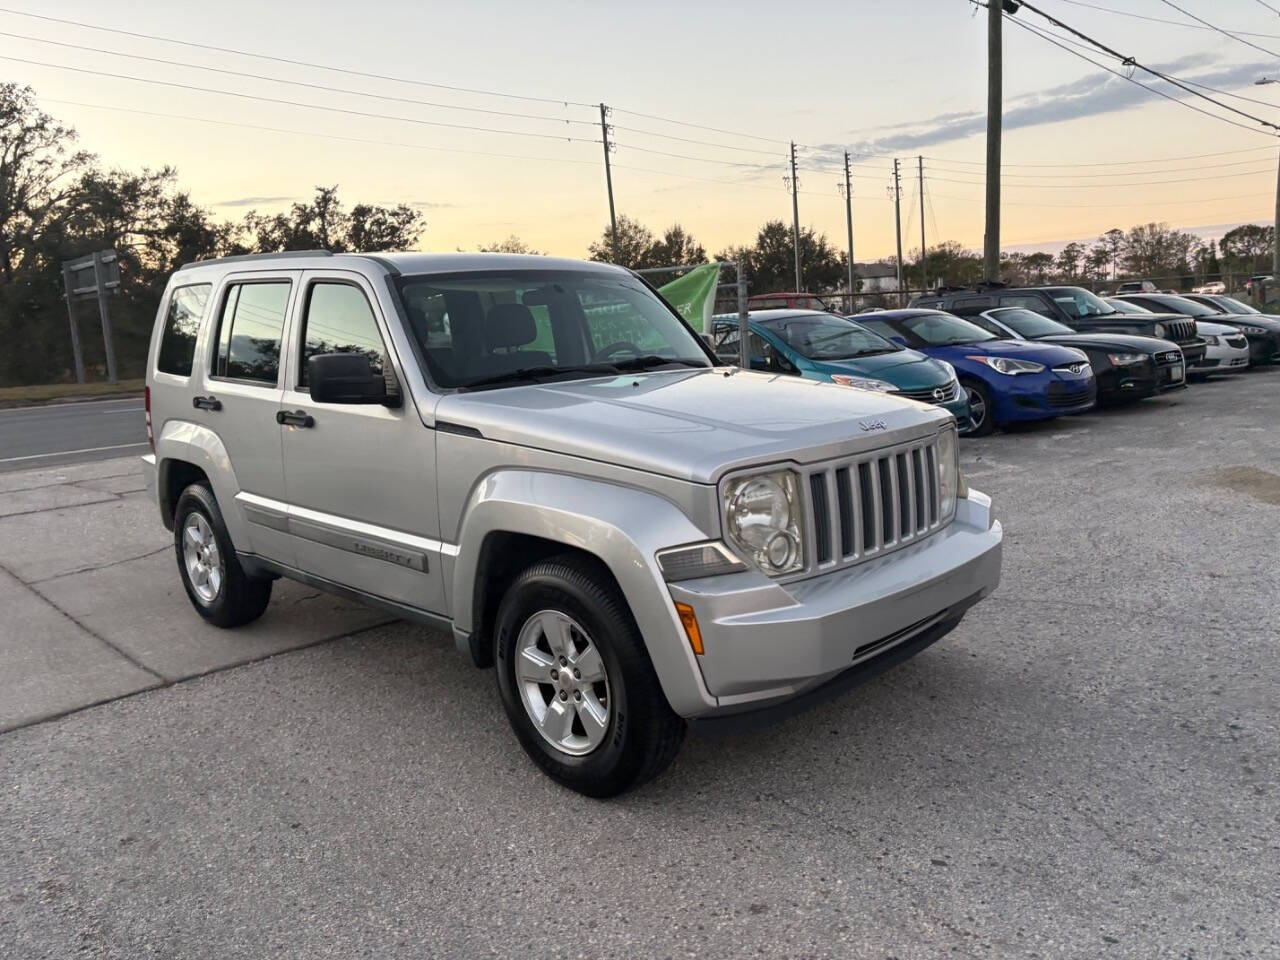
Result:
888,79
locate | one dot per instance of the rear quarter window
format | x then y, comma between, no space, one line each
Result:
181,328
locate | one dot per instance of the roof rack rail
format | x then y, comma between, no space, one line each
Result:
253,257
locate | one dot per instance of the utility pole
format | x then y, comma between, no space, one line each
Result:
846,189
995,108
1275,247
608,180
795,214
924,279
897,222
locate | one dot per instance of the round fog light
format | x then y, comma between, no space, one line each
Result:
780,551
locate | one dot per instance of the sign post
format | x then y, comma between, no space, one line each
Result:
92,278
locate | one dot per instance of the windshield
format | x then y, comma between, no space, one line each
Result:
1187,307
1233,305
1124,306
506,326
942,329
828,338
1079,302
1028,324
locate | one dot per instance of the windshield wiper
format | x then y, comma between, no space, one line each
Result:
534,374
653,360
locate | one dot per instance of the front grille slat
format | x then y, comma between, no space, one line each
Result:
926,395
862,507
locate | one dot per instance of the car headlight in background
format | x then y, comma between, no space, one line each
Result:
863,383
1159,331
1125,359
1009,366
762,519
1211,338
1250,328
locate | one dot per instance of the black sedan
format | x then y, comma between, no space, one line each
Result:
1127,367
1263,331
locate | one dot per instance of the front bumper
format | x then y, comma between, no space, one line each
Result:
767,642
1222,357
1264,348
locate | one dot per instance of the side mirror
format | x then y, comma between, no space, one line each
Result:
345,378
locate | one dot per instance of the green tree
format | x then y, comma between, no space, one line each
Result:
771,266
1069,260
323,224
677,247
634,248
1114,240
1038,265
1248,247
512,244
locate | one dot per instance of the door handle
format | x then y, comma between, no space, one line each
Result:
206,403
295,418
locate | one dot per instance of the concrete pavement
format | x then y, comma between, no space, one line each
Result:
67,433
1085,768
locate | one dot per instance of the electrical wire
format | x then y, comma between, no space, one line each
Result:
699,126
1110,163
299,83
295,63
1171,23
1269,7
1075,206
1125,173
1139,183
704,143
1213,26
1160,93
296,103
1128,62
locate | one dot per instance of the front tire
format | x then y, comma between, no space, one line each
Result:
576,680
981,410
215,582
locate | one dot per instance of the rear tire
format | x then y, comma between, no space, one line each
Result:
576,680
211,574
980,408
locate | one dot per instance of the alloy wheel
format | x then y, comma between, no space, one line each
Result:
205,568
562,681
977,407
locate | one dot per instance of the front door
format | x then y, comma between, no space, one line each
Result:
360,478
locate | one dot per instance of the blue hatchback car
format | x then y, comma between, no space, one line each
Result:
1006,380
825,346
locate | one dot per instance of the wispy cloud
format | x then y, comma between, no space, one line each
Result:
1092,95
253,201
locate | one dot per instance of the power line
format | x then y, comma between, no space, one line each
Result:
299,83
1110,163
295,63
1213,26
1124,173
1075,206
297,103
1129,62
1136,183
704,143
1160,93
1269,7
698,126
1171,23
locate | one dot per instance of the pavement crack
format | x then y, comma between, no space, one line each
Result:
94,569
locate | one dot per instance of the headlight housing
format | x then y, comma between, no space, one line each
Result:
1249,328
950,484
863,383
1211,338
1010,366
1125,359
1159,331
763,520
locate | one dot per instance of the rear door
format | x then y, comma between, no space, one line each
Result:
360,478
240,397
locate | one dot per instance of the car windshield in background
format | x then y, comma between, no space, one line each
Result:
1234,305
828,338
1079,303
942,329
1028,324
1186,307
493,328
1124,306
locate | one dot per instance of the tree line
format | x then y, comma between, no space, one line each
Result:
59,202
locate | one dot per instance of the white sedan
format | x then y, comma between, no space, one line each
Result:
1228,349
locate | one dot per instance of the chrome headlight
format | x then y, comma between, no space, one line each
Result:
863,383
1125,359
1010,366
1211,338
949,479
763,520
1249,328
1159,331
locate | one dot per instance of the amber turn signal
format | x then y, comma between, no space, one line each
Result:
690,622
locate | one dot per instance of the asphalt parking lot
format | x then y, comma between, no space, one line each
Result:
1085,768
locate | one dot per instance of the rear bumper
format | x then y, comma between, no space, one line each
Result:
766,642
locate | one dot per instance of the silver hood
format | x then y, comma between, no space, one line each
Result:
692,425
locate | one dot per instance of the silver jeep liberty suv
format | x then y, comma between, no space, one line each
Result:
540,456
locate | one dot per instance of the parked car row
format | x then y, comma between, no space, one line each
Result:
998,355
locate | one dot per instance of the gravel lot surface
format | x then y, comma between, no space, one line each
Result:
1085,768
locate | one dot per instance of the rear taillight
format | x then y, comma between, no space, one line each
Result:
151,437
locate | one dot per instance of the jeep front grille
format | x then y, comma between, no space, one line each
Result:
864,507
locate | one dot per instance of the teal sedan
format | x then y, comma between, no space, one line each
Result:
822,346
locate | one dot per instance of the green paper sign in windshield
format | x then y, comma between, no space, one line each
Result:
694,295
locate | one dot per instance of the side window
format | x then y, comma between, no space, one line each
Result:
880,327
249,331
986,325
340,320
181,327
971,307
1032,303
726,339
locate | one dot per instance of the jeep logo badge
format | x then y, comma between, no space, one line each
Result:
866,426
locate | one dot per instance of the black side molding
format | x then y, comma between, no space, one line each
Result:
445,426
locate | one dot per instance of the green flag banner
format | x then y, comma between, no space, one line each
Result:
694,295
